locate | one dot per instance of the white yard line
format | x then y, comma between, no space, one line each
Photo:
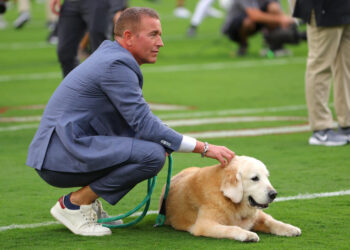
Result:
19,127
220,120
20,119
159,106
313,196
233,112
25,45
31,76
250,132
224,65
297,197
209,134
186,122
171,68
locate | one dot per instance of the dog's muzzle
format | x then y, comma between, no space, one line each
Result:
271,195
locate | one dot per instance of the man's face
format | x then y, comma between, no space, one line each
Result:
147,40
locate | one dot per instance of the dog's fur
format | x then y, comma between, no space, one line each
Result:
224,202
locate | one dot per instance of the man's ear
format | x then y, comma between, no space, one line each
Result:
128,37
232,186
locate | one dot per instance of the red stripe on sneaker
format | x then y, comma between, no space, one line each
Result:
61,202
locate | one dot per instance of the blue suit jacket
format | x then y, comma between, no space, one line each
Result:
95,112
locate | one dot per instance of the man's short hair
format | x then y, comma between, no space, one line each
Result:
130,19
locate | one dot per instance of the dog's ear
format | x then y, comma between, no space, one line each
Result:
231,185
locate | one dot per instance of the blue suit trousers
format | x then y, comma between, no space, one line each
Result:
146,160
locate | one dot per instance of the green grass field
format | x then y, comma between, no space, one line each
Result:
199,73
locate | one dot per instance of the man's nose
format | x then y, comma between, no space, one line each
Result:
160,42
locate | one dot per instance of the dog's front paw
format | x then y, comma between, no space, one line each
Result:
290,231
249,237
294,231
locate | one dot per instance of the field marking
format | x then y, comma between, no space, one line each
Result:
250,132
253,132
187,122
25,45
313,196
20,119
224,65
171,68
233,112
19,127
153,106
208,134
281,199
31,76
44,45
235,119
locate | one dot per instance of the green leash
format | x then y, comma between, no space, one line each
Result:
150,187
161,215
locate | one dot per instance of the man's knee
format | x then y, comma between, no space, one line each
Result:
157,157
148,154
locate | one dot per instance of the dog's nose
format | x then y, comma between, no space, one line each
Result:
272,194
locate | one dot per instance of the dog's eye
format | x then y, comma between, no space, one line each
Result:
255,178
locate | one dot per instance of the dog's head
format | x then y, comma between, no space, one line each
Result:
246,180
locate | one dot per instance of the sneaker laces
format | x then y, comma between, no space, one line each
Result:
89,215
97,207
102,214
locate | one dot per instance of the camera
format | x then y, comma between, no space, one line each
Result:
280,36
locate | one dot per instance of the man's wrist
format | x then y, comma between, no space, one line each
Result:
205,150
188,144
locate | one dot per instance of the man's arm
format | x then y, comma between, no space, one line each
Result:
126,95
258,16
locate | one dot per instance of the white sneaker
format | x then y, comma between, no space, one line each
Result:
182,12
82,221
21,20
102,214
345,132
327,137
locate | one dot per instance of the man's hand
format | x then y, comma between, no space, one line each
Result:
55,6
220,153
286,21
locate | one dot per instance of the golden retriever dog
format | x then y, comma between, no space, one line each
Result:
224,202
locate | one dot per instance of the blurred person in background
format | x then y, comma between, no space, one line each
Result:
51,23
203,8
23,7
247,17
3,8
76,17
328,32
181,11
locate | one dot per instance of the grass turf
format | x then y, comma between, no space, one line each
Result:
185,75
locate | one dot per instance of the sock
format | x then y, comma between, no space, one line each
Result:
69,204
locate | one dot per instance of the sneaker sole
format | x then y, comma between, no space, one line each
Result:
313,141
55,212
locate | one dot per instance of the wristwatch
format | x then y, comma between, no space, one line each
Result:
206,148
